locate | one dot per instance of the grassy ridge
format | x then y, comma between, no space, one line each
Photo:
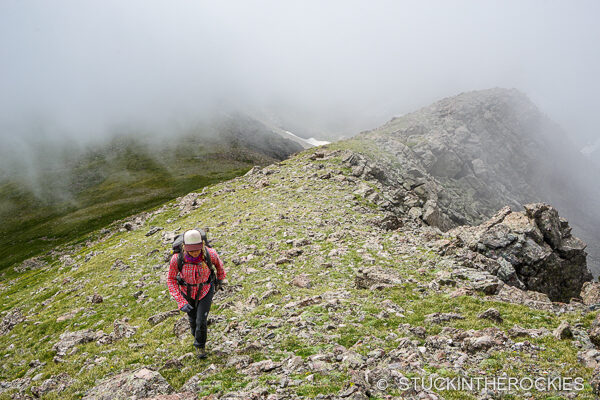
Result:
260,226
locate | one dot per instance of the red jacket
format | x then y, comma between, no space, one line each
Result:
192,273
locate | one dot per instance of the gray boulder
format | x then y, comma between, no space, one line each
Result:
141,383
594,331
160,317
590,293
68,340
14,317
376,278
56,383
563,331
491,314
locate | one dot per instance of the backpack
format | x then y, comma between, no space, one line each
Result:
178,249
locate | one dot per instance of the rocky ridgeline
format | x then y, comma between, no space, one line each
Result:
531,250
343,271
480,151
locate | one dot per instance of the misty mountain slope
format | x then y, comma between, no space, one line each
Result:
72,192
327,295
253,138
479,151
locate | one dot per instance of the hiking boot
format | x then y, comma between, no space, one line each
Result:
201,353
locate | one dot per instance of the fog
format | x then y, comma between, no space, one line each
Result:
77,69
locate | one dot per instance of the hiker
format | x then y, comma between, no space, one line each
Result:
192,283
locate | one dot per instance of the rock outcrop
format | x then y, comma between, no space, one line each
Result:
532,250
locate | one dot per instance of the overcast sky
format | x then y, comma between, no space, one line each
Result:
336,66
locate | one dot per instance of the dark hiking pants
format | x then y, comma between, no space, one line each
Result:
199,316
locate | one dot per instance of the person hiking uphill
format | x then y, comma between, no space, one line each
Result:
192,283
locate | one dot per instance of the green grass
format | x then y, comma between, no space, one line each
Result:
243,222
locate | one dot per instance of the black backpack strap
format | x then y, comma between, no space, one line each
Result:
213,274
204,238
208,259
180,262
180,280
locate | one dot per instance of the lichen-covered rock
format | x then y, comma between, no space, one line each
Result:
19,385
438,318
518,331
56,383
389,222
262,366
435,217
376,277
595,381
14,317
70,315
589,358
181,328
119,265
153,230
594,331
475,344
123,330
473,341
590,293
141,383
68,340
537,300
189,202
239,361
96,299
177,396
563,331
491,314
302,281
160,317
194,384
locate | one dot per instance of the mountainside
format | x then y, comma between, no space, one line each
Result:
68,191
336,290
479,151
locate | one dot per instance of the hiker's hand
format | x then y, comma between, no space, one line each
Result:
187,308
219,285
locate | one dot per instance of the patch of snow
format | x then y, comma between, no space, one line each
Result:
589,149
316,142
311,141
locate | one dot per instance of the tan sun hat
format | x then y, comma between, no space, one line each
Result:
192,240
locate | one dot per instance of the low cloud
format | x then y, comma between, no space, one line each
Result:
77,70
